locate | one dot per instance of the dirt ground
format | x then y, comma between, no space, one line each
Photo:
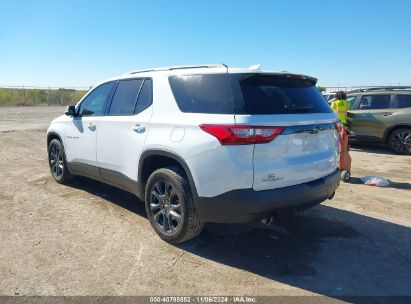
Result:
91,239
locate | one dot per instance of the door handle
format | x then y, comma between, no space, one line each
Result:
388,114
92,126
139,128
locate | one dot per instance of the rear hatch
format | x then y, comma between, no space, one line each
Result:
307,147
278,124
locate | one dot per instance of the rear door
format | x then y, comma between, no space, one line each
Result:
307,147
401,101
122,132
372,115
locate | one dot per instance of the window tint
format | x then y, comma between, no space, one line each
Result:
247,94
125,96
209,93
373,102
277,94
145,98
403,101
94,103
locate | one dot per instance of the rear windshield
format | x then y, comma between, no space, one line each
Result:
247,94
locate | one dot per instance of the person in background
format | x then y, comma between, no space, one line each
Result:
340,106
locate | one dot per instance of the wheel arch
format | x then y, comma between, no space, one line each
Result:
51,136
388,131
154,159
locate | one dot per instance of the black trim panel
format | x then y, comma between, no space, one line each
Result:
82,169
180,160
120,180
365,139
106,176
248,205
53,134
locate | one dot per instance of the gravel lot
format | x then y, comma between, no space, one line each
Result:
92,239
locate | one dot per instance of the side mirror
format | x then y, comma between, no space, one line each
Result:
70,111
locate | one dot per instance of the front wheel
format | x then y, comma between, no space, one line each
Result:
169,206
399,141
57,162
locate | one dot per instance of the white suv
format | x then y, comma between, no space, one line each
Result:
202,144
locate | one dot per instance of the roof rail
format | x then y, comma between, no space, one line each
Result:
386,88
179,67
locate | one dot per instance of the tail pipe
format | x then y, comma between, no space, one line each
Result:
268,220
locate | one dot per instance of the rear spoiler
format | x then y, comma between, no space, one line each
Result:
269,77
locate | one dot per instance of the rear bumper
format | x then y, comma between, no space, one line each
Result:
247,205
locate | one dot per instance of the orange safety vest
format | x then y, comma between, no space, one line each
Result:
340,107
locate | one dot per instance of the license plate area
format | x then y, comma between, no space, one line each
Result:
304,143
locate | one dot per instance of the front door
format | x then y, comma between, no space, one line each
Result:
81,132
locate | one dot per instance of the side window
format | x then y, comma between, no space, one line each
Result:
209,93
125,97
145,98
94,103
351,101
375,102
402,101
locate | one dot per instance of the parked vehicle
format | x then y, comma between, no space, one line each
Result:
202,144
328,96
382,115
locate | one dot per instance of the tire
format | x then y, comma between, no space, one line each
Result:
57,162
169,206
345,176
399,141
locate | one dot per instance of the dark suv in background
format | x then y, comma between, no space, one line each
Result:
382,115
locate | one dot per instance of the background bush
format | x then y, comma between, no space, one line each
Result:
35,97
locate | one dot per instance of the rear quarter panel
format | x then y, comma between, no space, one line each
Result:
215,168
403,119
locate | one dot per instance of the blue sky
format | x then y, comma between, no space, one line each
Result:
78,43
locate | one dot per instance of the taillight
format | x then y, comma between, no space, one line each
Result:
242,135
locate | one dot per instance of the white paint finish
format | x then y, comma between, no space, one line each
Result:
295,158
177,134
114,145
58,126
119,145
80,139
204,155
222,169
215,168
